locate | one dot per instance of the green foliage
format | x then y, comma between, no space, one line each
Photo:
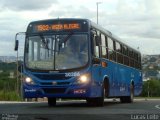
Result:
7,66
152,87
6,82
8,87
9,96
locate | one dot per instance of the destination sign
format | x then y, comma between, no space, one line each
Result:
53,27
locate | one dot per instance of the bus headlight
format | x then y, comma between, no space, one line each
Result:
83,79
28,80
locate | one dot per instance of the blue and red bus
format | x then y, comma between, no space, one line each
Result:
76,58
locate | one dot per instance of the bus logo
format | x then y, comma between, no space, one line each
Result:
54,83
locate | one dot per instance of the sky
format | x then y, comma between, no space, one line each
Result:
136,22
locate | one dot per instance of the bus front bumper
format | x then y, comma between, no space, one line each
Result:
81,91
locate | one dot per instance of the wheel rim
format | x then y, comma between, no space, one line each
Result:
104,92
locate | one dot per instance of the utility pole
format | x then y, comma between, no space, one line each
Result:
16,49
17,86
97,3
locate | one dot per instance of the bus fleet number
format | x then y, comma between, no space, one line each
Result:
72,74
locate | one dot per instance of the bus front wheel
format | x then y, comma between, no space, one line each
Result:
95,101
99,101
51,102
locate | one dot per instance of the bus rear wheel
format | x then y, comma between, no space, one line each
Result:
51,101
128,99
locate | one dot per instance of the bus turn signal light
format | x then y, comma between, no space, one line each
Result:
103,64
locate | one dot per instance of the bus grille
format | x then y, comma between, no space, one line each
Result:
54,90
52,77
58,83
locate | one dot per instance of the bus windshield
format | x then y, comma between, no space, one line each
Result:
56,52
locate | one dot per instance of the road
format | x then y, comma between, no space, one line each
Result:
78,110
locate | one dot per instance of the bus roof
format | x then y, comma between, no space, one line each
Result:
61,19
92,25
110,34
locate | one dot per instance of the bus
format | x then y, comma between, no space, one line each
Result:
76,58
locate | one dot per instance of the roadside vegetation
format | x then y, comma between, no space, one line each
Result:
8,84
151,88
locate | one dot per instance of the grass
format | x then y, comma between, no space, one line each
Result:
9,96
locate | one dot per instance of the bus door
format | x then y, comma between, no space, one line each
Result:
112,67
96,64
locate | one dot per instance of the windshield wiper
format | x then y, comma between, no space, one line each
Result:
44,42
64,40
67,37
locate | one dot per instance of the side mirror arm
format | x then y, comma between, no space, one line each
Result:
17,41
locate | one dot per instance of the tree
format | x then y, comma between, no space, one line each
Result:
151,86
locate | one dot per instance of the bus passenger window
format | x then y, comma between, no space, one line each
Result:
119,53
139,61
125,52
110,49
104,49
96,49
131,63
103,40
104,53
110,44
114,52
118,47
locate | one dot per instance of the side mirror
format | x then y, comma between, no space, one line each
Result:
96,60
97,40
16,45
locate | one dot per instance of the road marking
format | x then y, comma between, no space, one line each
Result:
16,102
157,106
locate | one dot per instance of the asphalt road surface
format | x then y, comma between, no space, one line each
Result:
141,109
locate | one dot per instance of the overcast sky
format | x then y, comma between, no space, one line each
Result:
136,22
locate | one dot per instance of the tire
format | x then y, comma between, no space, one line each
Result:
106,90
51,102
128,99
95,101
99,101
90,101
131,99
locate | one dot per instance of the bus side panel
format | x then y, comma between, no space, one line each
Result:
106,72
120,78
96,73
124,76
110,73
138,83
